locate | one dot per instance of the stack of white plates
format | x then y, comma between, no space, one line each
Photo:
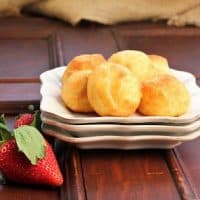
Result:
134,132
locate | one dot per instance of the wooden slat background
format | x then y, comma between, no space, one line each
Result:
29,46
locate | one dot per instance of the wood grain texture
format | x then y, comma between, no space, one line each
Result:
55,51
83,40
140,175
185,188
17,54
74,178
15,98
174,44
14,192
188,158
24,55
98,174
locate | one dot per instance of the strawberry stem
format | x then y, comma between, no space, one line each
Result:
31,108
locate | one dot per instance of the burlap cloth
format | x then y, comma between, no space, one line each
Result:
176,12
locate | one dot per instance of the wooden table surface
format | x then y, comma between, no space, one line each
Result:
29,46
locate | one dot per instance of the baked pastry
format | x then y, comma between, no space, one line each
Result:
82,62
113,90
74,79
160,65
74,92
136,61
164,96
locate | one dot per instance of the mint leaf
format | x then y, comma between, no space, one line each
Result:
30,142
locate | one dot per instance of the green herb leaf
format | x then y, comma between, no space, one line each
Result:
30,141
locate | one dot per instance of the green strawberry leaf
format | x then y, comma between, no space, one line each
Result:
2,119
5,133
37,120
30,142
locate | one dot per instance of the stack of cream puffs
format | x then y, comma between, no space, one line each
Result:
127,82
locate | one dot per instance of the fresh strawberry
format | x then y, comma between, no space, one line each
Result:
24,119
26,157
17,168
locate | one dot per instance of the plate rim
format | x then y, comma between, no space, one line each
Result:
123,120
130,127
185,138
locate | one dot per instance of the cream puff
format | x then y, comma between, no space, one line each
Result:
113,90
164,96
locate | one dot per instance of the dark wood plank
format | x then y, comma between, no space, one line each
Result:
186,190
188,158
73,188
17,58
174,44
24,56
103,174
83,40
16,192
110,174
16,97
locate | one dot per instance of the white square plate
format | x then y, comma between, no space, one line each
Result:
53,105
119,142
88,130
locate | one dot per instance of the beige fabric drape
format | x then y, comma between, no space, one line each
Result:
13,7
176,12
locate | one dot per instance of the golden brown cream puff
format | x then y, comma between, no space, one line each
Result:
113,90
74,92
160,65
136,61
74,81
164,96
82,62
